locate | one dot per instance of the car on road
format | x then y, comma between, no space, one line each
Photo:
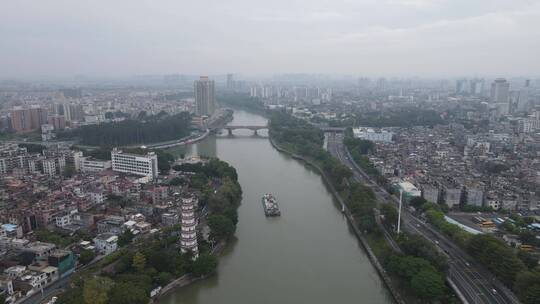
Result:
494,290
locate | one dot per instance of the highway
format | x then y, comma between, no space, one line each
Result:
472,281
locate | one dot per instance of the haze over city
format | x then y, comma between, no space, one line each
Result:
368,37
321,151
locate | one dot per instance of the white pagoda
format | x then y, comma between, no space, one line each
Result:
188,237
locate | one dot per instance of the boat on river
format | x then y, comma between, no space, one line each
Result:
270,205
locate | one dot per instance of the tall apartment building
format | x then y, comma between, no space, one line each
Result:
142,165
500,91
28,119
205,99
230,82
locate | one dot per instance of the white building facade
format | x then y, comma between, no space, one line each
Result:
142,165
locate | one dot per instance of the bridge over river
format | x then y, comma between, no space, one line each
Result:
253,128
256,128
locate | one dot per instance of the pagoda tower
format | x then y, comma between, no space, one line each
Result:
188,237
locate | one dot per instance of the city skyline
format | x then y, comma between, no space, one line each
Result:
393,37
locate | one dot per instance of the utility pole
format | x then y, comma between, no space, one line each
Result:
399,211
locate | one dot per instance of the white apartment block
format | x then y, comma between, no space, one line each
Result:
93,165
142,165
49,167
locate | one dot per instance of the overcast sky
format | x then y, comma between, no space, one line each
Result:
360,37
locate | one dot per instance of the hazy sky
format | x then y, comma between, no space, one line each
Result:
364,37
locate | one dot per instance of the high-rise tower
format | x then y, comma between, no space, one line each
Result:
205,99
230,82
500,91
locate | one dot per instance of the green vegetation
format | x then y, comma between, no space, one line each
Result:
125,238
361,201
420,268
304,139
527,286
60,239
224,201
221,227
129,274
241,100
515,268
423,279
405,117
496,256
95,290
151,129
436,218
206,264
86,256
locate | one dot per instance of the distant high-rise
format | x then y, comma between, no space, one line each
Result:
205,99
28,119
523,98
230,82
476,86
462,86
500,91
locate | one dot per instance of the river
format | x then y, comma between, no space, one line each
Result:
308,255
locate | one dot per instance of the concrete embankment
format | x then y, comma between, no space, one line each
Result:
373,258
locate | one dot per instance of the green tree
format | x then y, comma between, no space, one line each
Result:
390,214
139,262
527,287
428,284
86,256
418,202
496,256
204,265
221,227
407,266
127,293
177,181
125,238
530,260
71,296
164,278
418,246
96,290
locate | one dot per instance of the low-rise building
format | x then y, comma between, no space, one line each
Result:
106,243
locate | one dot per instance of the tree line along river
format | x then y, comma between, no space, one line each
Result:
308,255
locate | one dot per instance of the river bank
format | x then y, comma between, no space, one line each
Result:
395,294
